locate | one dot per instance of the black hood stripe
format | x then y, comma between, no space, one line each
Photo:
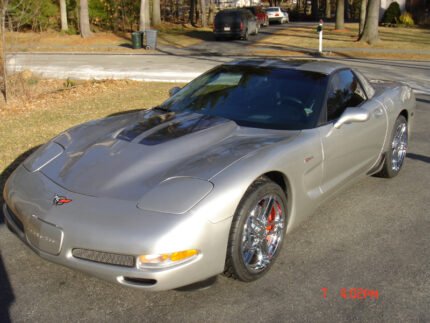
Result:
151,120
181,128
175,126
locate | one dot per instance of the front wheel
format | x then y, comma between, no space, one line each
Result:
396,153
257,231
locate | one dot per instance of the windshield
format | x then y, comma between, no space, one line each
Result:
271,98
272,9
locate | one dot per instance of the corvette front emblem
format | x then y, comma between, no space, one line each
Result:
60,200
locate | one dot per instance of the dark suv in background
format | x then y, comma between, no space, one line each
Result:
235,23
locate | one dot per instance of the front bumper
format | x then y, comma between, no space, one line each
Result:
112,227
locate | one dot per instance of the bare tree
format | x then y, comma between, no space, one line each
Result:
192,15
204,16
328,9
370,33
314,9
212,10
363,7
340,14
84,19
4,5
144,22
63,9
156,20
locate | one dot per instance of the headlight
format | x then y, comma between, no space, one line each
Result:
166,259
175,195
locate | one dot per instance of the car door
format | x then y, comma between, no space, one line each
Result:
355,147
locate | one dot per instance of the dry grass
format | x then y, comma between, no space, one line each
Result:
49,108
298,39
171,35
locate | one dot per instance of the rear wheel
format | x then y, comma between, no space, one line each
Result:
257,231
396,153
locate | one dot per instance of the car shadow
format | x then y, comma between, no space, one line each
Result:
6,173
422,100
425,159
7,296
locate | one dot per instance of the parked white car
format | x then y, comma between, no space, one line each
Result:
277,14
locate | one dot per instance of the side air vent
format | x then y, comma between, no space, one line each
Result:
104,257
140,281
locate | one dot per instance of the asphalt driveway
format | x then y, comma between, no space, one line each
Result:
373,235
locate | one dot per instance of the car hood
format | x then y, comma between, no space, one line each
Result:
125,156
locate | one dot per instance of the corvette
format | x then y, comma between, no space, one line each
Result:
211,180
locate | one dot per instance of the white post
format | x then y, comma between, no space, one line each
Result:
320,35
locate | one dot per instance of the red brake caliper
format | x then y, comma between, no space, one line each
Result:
270,219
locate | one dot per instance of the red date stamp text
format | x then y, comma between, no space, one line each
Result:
353,293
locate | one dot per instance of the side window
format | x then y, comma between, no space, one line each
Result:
345,91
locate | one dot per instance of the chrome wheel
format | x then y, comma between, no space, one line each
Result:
399,146
262,233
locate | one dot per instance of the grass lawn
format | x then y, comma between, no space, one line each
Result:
50,109
292,41
168,34
302,37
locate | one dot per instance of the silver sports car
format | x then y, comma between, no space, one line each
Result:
211,180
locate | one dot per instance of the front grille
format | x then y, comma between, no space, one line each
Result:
17,221
104,257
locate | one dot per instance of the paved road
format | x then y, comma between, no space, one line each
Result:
178,68
374,235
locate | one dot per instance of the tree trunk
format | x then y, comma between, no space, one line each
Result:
340,14
84,19
370,31
204,17
156,20
327,9
192,12
363,6
63,9
3,75
347,10
144,22
212,10
314,9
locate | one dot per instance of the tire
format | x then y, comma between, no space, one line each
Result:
256,236
395,156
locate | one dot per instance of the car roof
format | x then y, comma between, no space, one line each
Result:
309,65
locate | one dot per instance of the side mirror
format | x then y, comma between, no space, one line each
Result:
352,115
174,90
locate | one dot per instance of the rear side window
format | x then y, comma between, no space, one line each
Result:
227,16
344,91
